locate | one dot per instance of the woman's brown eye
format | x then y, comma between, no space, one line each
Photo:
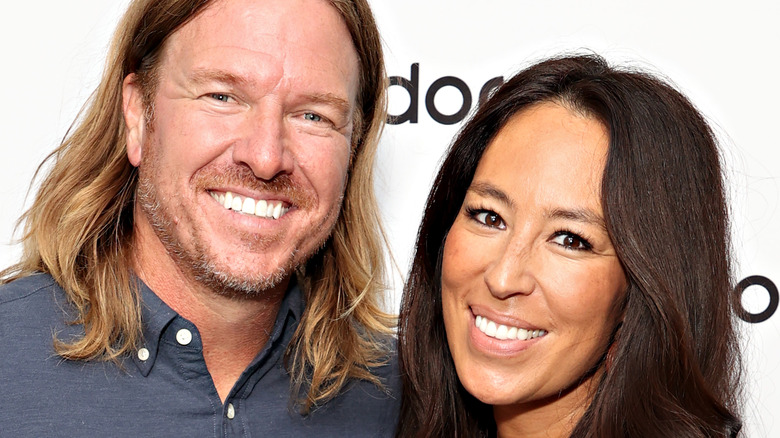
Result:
488,218
571,241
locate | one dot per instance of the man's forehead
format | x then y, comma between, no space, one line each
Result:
255,22
307,39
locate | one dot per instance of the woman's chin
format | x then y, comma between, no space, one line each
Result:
492,394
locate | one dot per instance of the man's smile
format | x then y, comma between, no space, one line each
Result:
271,209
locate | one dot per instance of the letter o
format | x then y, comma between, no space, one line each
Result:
774,298
448,81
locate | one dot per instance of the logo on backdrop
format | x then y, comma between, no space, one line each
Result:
412,86
411,115
771,290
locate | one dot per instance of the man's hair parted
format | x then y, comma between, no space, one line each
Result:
79,227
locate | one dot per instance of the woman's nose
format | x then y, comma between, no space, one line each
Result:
511,272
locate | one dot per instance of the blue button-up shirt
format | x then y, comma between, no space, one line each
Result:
165,389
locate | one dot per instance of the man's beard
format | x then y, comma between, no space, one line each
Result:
196,262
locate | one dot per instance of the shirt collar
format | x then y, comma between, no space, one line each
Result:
156,315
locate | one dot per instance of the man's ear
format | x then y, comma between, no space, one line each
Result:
135,118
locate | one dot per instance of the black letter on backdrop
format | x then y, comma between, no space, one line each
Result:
448,81
771,289
411,86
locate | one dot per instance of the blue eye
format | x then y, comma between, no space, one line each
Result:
312,117
220,97
571,241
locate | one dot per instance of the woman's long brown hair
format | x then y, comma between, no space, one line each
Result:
674,367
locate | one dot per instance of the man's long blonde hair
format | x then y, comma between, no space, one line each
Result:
79,228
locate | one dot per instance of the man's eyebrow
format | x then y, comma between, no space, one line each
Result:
488,190
339,103
583,215
203,76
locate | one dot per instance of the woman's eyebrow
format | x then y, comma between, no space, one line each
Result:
583,215
490,191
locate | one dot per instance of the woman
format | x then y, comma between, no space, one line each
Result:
572,274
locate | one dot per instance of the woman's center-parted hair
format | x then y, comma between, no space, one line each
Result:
661,189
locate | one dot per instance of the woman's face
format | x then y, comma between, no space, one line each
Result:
530,279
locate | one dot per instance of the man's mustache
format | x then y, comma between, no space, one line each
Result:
242,176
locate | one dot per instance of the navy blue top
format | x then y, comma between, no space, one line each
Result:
163,390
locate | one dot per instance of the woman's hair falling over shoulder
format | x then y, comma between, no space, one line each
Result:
674,367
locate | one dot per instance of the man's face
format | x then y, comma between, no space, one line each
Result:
243,166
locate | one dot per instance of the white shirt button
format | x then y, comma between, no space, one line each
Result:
184,337
231,411
143,354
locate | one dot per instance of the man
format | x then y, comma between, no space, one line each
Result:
203,257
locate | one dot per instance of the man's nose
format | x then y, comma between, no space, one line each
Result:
265,146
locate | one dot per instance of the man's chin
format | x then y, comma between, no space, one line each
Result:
243,285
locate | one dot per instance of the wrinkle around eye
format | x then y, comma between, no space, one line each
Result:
221,103
314,122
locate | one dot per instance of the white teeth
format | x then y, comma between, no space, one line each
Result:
491,329
228,200
261,208
249,206
501,331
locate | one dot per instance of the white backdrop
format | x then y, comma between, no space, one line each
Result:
723,56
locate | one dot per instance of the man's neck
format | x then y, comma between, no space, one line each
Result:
233,330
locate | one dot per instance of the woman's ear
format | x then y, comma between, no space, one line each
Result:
134,112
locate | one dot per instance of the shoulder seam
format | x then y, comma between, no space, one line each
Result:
48,284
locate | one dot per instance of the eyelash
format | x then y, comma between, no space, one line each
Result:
473,213
226,98
222,97
319,117
586,245
321,120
